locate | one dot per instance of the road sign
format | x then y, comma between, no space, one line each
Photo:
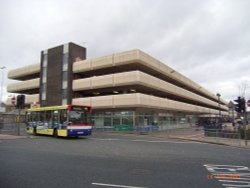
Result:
248,103
13,100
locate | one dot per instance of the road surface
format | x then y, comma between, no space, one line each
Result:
102,161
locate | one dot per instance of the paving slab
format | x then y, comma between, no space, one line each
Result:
10,137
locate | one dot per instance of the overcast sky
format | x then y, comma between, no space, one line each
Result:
205,40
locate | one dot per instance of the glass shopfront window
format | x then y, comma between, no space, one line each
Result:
116,120
111,119
127,120
108,121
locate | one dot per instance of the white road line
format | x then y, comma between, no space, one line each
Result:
230,178
113,185
244,167
229,175
235,181
235,186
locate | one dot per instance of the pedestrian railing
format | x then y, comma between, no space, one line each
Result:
128,129
12,124
238,137
222,133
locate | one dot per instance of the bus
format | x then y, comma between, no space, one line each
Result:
62,121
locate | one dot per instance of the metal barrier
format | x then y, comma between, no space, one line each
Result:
222,133
238,137
102,129
147,129
126,128
12,124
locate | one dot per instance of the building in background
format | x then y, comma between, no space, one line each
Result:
127,89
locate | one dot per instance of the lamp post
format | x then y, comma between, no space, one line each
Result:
2,68
218,95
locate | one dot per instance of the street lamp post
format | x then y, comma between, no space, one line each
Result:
1,97
218,95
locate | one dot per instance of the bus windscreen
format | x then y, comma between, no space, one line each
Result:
78,117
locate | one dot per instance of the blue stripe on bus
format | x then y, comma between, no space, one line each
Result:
79,132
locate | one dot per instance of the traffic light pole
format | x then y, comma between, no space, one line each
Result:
240,107
245,127
20,104
18,122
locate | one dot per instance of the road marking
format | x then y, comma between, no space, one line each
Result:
235,176
113,185
230,168
148,141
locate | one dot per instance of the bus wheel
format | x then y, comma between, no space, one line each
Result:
55,133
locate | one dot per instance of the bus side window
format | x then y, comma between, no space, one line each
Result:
48,117
31,116
34,116
37,116
63,116
28,116
56,116
42,116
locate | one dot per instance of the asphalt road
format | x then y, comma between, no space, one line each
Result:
116,161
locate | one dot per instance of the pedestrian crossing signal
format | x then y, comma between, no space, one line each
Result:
240,105
20,103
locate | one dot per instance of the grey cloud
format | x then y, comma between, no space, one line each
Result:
208,41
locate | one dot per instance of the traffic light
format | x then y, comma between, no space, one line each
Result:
238,105
20,102
243,105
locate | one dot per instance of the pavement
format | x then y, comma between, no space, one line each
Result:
10,137
191,134
197,134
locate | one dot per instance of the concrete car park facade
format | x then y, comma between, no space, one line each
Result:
125,89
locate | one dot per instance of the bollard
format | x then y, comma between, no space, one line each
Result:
216,135
239,138
18,122
245,131
1,123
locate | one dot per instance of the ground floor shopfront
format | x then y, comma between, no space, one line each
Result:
129,120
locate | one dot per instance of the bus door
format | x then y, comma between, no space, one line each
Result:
48,123
64,119
57,124
41,127
55,119
29,123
